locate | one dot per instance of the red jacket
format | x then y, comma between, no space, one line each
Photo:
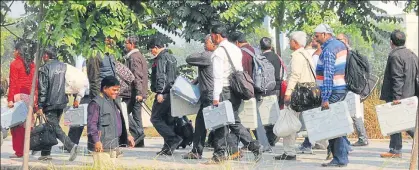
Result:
20,82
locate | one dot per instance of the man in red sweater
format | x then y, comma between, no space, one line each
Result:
239,39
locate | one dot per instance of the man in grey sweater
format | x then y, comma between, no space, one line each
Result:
205,80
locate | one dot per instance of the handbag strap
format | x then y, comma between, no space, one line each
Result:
283,68
229,59
309,65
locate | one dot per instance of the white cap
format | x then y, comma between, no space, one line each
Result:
324,28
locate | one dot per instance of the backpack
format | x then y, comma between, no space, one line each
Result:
124,76
357,72
184,128
240,82
263,72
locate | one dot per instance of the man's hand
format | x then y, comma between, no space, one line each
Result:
76,104
325,105
160,98
98,147
39,112
10,104
139,98
215,102
396,102
131,141
287,100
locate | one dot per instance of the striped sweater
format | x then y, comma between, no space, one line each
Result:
330,71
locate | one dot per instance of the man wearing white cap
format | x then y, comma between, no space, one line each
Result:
330,73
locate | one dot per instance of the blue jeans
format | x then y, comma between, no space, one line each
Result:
339,146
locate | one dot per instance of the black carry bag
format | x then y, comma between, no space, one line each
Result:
184,128
306,96
241,82
42,135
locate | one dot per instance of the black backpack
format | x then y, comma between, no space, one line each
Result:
357,72
184,128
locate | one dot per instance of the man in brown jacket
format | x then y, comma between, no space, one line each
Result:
138,65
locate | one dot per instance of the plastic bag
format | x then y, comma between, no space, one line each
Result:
287,123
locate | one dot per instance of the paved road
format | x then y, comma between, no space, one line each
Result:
364,158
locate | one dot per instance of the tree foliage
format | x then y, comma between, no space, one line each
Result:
74,27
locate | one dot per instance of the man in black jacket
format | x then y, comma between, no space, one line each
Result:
205,80
52,100
138,65
399,83
163,75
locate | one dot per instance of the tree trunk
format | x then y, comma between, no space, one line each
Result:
277,41
25,164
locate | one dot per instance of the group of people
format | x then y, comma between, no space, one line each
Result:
321,60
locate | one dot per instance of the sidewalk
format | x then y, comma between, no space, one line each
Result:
364,158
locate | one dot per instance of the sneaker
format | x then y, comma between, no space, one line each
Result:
45,158
333,165
391,155
318,146
192,155
73,153
286,157
360,143
304,150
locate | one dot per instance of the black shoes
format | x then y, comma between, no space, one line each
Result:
258,154
165,152
286,157
169,149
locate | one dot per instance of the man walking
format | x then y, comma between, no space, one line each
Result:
330,78
266,47
268,139
136,62
205,80
399,83
163,75
301,72
359,123
52,100
222,69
